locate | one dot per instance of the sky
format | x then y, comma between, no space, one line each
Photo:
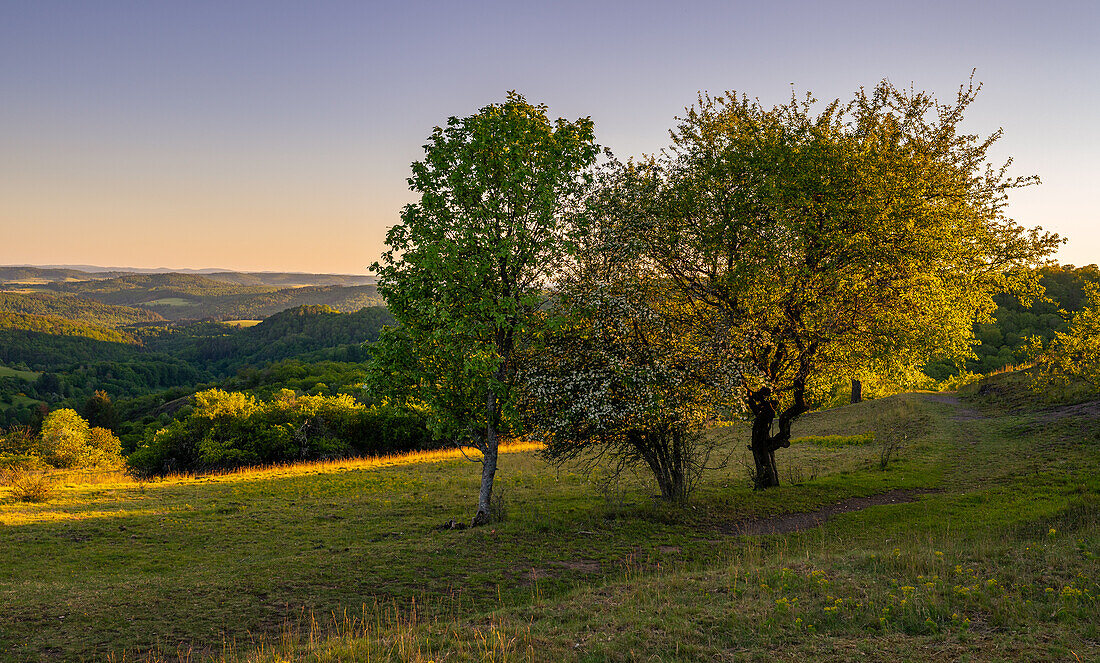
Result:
278,135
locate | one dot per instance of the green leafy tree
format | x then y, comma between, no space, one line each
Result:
100,411
623,378
870,233
1073,355
67,441
467,267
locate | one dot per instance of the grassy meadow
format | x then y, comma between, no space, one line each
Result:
7,371
982,545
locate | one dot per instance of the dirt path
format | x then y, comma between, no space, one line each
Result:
796,522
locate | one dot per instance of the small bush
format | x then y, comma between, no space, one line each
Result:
956,382
31,486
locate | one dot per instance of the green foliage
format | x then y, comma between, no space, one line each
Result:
309,332
1005,341
185,356
45,351
1073,355
74,309
100,411
233,429
622,373
49,324
467,265
66,441
863,238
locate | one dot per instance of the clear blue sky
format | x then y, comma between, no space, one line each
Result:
278,135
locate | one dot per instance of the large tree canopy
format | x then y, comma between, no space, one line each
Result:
469,264
870,233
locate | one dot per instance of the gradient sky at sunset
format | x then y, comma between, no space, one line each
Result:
278,135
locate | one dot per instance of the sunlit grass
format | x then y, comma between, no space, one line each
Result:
344,560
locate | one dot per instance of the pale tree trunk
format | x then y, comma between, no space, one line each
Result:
488,466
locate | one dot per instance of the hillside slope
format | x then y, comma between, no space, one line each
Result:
990,551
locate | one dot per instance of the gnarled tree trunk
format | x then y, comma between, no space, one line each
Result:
765,410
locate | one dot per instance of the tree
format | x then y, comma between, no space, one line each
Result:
467,267
622,376
1073,355
67,441
871,233
100,411
64,438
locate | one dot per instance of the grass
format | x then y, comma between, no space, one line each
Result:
29,376
169,301
344,561
242,323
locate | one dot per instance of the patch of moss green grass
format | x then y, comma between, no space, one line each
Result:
7,371
836,440
1002,563
169,301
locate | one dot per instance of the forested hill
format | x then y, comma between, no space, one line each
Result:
23,274
290,279
193,297
172,355
146,289
57,326
314,332
75,309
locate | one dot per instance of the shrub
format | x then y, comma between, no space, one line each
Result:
19,440
66,441
31,486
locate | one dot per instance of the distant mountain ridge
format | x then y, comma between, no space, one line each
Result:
9,273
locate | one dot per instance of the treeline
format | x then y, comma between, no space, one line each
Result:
75,309
22,275
221,429
288,279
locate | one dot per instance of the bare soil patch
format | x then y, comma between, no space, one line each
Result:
796,522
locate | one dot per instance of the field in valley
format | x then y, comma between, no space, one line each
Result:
980,541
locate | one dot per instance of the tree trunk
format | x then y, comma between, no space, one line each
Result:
488,471
857,391
488,467
767,474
